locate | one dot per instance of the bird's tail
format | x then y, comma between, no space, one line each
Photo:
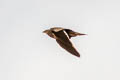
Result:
80,34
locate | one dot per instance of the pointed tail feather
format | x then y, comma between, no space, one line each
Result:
80,34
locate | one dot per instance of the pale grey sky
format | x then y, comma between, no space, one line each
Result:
28,54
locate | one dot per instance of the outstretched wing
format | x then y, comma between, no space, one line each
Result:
65,43
72,33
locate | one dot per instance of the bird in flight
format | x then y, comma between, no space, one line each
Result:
63,36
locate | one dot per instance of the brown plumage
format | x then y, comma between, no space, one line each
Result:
62,37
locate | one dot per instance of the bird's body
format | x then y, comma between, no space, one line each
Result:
62,37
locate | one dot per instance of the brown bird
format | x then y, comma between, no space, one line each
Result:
62,37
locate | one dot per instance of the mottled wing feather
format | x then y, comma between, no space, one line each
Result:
72,33
68,31
70,49
62,36
65,43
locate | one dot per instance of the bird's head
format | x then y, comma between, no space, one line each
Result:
49,33
46,31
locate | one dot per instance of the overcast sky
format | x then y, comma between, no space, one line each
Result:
28,54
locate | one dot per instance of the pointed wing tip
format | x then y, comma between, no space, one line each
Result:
78,56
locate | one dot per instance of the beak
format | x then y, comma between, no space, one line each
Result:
43,31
